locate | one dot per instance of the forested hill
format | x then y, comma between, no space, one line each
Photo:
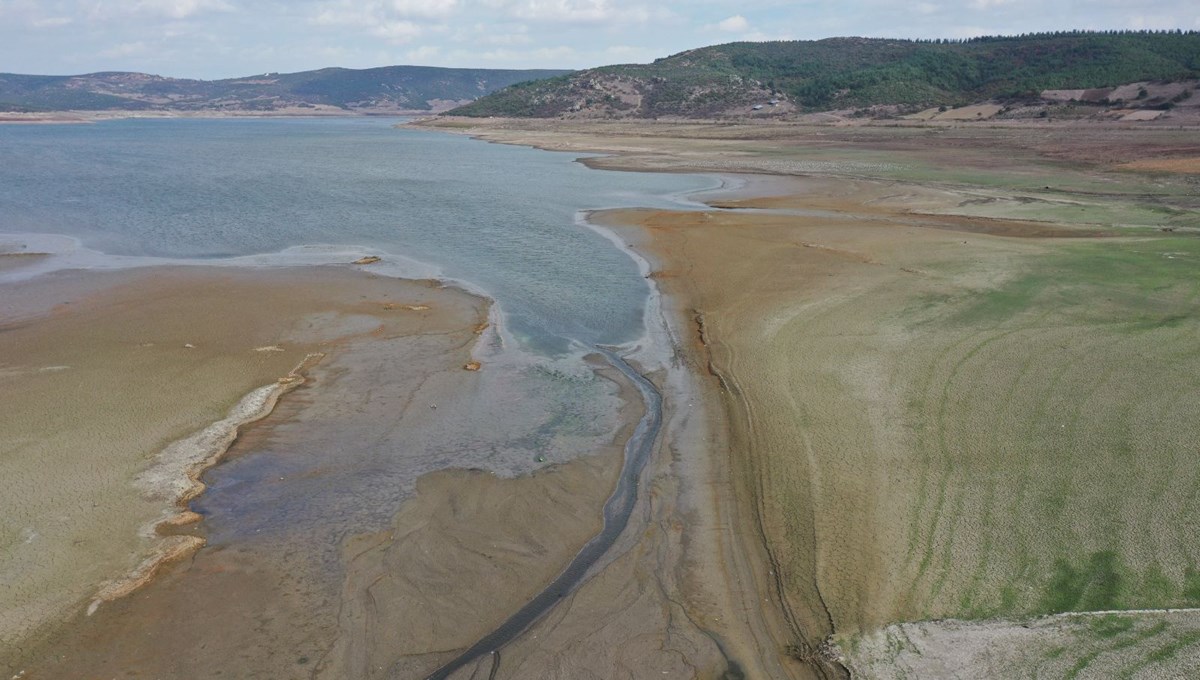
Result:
846,73
389,88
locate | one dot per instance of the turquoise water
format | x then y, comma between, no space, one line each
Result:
500,217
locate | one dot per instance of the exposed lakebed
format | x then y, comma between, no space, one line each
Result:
340,456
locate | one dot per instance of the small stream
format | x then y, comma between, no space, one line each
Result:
617,511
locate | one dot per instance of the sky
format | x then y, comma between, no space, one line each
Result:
229,38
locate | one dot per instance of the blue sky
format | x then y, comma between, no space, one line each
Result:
226,38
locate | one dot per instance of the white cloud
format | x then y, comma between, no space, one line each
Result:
499,34
1153,22
546,55
970,31
734,24
988,4
579,11
397,21
129,49
30,13
398,32
925,8
423,54
171,9
509,39
50,22
419,9
350,12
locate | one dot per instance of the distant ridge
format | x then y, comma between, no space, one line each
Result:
847,73
386,89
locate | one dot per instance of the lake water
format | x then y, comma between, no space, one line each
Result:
503,219
500,217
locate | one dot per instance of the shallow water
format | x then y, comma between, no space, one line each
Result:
340,457
500,217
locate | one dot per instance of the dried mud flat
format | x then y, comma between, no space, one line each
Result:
919,374
98,377
924,440
103,371
957,366
282,590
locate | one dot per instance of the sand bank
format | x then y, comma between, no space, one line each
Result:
102,372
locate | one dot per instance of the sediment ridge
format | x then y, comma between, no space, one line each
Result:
175,477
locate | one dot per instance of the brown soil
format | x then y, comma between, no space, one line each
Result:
780,509
641,143
101,371
1188,165
466,552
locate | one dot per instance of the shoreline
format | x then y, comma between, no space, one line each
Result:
169,477
181,540
170,531
90,117
814,120
766,627
742,559
175,476
571,489
743,563
65,254
736,506
810,625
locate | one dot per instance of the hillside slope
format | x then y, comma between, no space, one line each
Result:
389,88
846,73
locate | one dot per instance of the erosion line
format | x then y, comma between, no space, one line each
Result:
811,654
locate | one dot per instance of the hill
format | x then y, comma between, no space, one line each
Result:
385,89
849,73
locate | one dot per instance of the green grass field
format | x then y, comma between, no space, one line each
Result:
1048,463
1053,418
